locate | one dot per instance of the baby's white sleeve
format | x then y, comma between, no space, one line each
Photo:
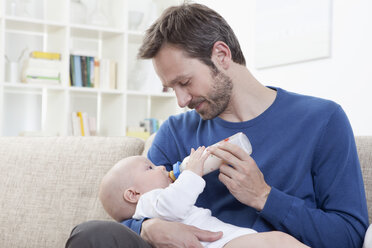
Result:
174,202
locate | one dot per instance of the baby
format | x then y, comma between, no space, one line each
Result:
136,188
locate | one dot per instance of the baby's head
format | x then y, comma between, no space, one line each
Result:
126,181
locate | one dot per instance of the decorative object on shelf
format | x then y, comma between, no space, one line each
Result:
12,74
23,8
13,7
142,14
78,12
143,78
98,17
146,127
135,19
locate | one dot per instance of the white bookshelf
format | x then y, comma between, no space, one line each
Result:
45,109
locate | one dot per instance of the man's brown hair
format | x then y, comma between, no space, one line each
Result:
194,28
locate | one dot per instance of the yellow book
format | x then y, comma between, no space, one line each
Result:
45,55
80,115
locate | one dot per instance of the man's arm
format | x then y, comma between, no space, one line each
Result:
134,224
161,233
340,218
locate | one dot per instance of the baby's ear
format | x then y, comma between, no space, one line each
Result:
131,195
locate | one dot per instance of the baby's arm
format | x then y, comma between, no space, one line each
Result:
197,160
175,202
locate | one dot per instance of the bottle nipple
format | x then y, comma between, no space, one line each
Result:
171,176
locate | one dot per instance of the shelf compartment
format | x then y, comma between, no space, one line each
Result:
31,25
55,115
19,43
137,107
94,32
55,10
17,88
49,10
24,86
26,105
112,115
141,93
162,107
81,101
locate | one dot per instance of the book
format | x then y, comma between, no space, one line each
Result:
104,74
86,124
76,130
81,122
107,74
45,55
91,72
72,71
96,78
41,71
42,80
92,126
112,77
84,76
77,71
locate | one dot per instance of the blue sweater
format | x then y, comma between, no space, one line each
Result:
305,148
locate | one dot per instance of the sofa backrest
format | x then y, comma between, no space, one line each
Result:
364,146
50,184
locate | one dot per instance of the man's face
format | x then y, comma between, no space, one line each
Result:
195,84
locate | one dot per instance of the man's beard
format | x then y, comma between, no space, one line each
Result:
217,99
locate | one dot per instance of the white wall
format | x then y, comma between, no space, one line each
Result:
345,77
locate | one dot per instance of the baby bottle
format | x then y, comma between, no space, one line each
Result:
212,163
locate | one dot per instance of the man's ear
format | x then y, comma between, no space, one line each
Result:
131,195
221,54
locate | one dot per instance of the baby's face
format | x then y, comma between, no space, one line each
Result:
148,176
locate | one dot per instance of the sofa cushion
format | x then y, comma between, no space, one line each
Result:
50,184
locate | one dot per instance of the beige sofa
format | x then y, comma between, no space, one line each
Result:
50,184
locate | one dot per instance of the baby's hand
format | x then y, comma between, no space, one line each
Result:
197,159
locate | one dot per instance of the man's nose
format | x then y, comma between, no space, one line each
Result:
183,97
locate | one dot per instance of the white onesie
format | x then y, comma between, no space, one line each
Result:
176,203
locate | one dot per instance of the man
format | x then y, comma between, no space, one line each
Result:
303,177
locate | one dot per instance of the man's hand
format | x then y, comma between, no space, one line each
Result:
243,178
196,160
161,233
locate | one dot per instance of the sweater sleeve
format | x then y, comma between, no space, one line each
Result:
340,218
174,202
134,224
